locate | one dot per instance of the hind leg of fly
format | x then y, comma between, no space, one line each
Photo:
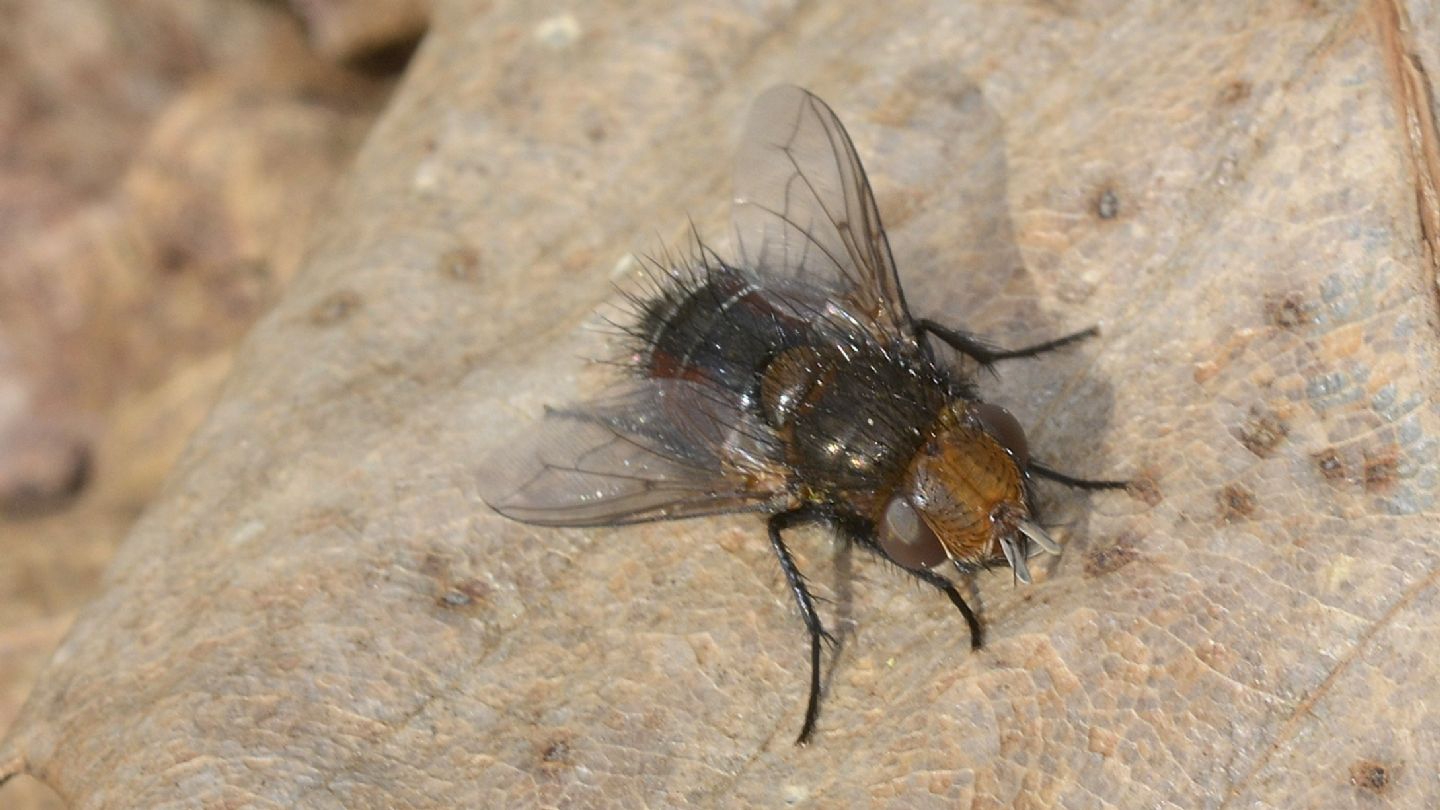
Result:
986,354
777,525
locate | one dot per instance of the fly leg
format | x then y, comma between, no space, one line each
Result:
865,536
1071,481
977,634
779,523
986,354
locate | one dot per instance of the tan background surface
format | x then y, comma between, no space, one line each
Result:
317,611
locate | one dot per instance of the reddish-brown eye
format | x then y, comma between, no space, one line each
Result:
1006,429
907,538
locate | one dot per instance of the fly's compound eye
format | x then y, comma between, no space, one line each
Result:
1005,428
907,538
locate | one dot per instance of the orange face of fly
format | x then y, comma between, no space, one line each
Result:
963,497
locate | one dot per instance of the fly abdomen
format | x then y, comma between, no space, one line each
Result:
716,327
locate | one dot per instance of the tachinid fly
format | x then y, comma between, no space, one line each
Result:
793,381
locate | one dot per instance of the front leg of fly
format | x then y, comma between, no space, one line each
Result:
863,532
1071,481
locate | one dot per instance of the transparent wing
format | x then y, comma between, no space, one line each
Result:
804,215
660,449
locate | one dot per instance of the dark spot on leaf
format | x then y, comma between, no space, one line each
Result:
461,264
174,257
452,587
433,564
1262,432
1381,470
1288,311
1330,464
1108,560
554,754
1107,205
336,307
1236,503
455,598
1235,92
467,593
1147,489
1370,775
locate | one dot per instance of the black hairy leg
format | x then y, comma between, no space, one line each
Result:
986,354
977,633
778,523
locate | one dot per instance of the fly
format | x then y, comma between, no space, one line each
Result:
793,381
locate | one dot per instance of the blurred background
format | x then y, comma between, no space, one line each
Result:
161,165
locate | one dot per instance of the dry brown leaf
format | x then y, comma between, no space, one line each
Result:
320,612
